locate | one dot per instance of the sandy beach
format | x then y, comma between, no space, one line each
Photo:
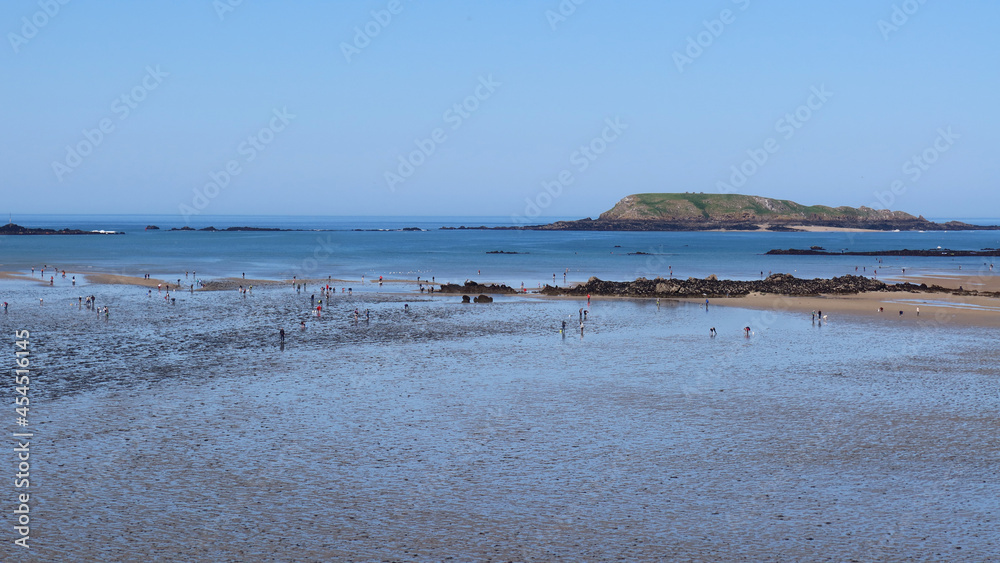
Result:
934,308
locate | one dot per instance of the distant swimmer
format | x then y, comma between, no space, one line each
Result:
303,325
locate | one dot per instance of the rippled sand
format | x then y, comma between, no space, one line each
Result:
478,432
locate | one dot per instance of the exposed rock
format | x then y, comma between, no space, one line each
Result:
782,284
483,299
904,252
465,299
12,229
473,287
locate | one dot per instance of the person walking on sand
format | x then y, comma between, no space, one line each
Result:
918,311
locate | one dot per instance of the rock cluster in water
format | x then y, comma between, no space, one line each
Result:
473,287
783,284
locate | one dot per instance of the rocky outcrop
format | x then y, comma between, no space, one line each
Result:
12,229
904,252
483,299
739,212
473,287
781,284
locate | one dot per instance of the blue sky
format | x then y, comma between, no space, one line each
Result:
345,108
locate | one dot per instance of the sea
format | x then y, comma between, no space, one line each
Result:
393,425
347,248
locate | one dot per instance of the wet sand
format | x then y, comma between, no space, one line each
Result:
478,432
936,308
818,229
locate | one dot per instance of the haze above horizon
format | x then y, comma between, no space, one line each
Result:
553,109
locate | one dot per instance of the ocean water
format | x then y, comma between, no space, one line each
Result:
454,256
186,431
